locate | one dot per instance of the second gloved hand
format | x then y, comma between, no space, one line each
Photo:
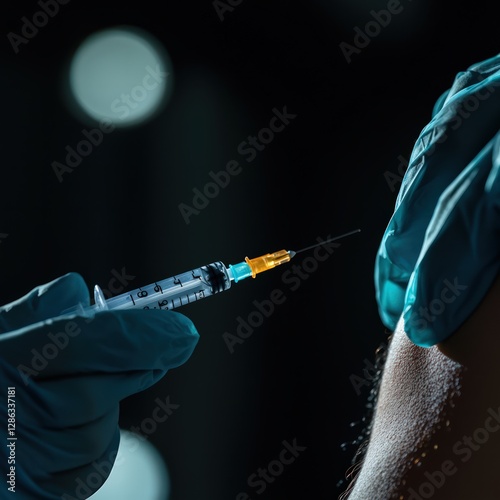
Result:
440,252
69,374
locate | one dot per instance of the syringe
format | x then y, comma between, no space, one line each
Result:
192,285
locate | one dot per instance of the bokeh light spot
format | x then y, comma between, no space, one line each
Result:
122,75
139,472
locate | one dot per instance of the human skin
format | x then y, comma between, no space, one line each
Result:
436,426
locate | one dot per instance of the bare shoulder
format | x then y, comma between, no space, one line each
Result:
436,427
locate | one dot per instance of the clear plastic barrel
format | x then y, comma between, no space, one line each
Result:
173,292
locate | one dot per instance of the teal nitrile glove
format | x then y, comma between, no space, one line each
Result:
69,374
440,252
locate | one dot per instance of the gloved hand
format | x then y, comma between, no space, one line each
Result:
440,252
69,374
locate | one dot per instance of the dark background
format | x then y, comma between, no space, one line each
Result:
323,175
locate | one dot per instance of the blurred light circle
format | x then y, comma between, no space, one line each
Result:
139,472
120,74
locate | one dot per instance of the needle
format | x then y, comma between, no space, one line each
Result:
294,253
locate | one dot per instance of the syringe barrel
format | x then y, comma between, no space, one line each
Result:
173,292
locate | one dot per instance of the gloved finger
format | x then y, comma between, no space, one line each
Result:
439,103
112,342
44,301
463,79
460,257
76,400
443,150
